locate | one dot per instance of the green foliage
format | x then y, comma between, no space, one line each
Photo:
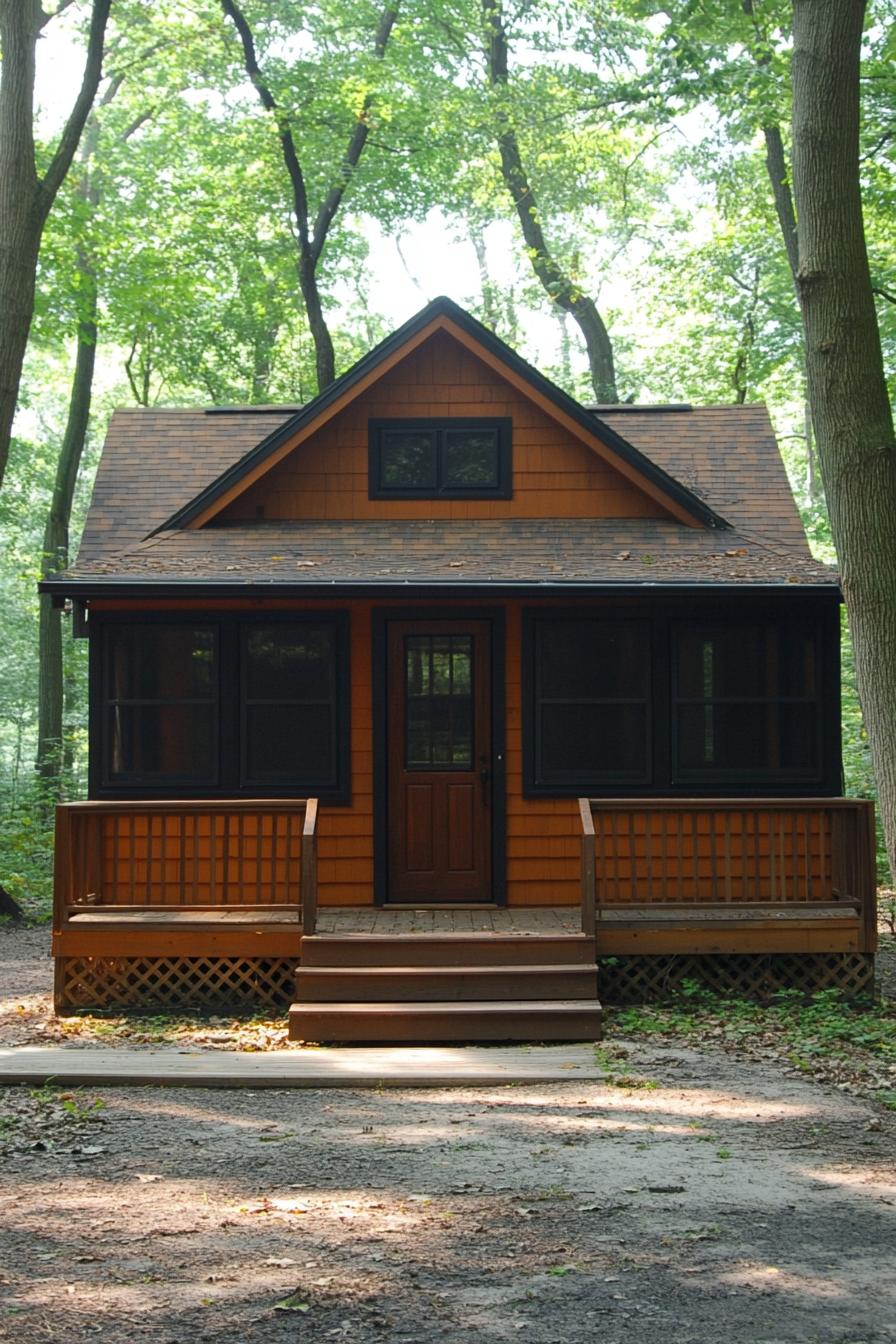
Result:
817,1034
641,124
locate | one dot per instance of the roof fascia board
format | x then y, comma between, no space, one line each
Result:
186,590
444,315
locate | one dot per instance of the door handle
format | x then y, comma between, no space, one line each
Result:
484,777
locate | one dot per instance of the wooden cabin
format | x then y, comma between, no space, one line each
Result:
446,690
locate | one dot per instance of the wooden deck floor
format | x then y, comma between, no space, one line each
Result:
370,919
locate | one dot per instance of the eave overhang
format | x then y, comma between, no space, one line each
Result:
85,590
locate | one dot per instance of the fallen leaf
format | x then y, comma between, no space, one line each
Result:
293,1302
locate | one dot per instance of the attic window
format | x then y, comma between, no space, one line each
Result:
440,459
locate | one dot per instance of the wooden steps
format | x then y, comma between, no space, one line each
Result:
417,984
447,949
535,1020
414,988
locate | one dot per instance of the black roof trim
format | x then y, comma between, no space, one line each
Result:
648,406
252,410
696,507
83,589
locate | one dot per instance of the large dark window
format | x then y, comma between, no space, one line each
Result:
224,707
592,691
289,701
672,705
162,704
440,459
746,700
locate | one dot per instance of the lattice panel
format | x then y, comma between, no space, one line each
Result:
625,980
174,982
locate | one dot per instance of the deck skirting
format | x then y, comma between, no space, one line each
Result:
631,980
253,984
163,984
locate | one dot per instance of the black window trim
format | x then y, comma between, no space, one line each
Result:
228,782
666,780
440,425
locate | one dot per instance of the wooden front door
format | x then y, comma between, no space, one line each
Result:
439,761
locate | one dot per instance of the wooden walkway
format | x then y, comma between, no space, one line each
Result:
381,1066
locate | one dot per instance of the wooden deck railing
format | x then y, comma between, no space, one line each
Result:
187,855
685,851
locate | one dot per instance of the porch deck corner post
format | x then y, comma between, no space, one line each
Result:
309,869
866,845
62,866
589,905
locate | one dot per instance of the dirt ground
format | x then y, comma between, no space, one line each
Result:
708,1198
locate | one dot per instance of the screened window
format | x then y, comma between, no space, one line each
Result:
448,459
225,707
591,702
746,700
675,706
289,704
162,703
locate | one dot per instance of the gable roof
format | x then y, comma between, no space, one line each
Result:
443,314
157,460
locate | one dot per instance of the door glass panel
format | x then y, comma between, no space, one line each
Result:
439,702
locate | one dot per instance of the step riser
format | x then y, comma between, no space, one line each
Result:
418,1025
325,985
447,950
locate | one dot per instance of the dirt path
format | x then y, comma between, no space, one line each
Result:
715,1200
702,1198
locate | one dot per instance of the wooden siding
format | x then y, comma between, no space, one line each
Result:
795,850
555,475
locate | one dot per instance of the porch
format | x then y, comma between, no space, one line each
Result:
169,904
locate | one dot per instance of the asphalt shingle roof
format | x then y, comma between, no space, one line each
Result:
156,461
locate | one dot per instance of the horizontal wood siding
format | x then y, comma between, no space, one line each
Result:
554,474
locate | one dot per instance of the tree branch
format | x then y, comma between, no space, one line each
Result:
68,141
358,140
883,293
560,287
287,144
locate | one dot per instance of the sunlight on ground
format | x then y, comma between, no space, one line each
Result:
770,1277
857,1181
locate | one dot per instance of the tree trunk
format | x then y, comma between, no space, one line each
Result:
847,389
25,199
776,167
324,354
20,222
312,238
56,547
561,288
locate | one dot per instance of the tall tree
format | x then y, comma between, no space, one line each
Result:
55,553
313,226
847,386
561,286
26,197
